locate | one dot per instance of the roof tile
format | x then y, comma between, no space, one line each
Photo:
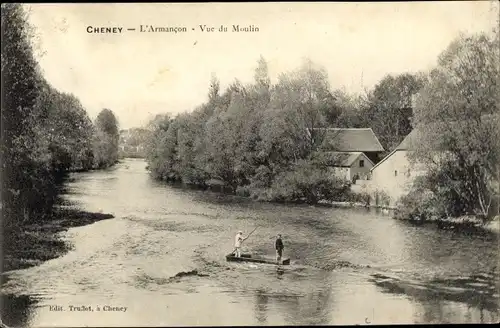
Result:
351,140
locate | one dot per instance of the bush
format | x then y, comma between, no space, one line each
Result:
429,198
436,196
243,191
416,206
305,183
359,197
382,199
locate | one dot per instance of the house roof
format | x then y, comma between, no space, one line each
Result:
341,159
409,140
350,140
418,134
406,144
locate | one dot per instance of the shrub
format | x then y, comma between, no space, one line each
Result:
382,199
360,197
304,183
416,206
429,198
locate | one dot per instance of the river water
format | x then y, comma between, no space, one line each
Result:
349,266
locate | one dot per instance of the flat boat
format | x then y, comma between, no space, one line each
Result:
249,258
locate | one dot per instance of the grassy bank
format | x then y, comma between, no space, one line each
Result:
468,224
34,243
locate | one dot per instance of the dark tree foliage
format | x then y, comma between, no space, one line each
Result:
106,139
45,133
249,136
458,112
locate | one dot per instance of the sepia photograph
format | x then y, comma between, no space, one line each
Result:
249,164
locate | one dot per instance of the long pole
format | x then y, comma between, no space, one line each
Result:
251,232
245,238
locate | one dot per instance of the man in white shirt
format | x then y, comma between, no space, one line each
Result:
237,243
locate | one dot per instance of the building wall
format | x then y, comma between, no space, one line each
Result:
394,177
362,172
348,173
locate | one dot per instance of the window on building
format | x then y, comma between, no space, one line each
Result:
362,163
396,173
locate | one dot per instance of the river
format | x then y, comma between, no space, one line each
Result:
349,266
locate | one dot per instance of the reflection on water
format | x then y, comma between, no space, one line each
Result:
478,293
16,309
261,305
164,255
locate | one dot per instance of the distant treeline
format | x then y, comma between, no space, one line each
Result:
45,133
132,143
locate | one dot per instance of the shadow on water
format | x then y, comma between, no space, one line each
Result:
16,310
478,291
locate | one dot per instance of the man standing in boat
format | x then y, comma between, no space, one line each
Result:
237,243
279,248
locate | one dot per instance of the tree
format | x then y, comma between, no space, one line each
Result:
390,108
24,162
262,80
213,92
225,152
190,143
349,111
290,130
458,111
106,139
45,133
160,147
68,130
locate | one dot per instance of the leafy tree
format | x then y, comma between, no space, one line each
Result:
349,111
190,141
68,130
106,139
160,146
390,108
213,92
295,112
458,112
24,166
45,133
262,81
223,153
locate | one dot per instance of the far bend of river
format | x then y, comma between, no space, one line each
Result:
349,266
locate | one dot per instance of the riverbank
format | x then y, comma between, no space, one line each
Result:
34,243
465,224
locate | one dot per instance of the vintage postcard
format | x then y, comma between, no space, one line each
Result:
255,164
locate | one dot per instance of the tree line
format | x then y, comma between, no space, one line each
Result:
252,138
45,133
262,139
132,143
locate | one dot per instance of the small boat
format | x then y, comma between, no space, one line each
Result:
249,258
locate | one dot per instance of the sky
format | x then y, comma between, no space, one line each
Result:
138,75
